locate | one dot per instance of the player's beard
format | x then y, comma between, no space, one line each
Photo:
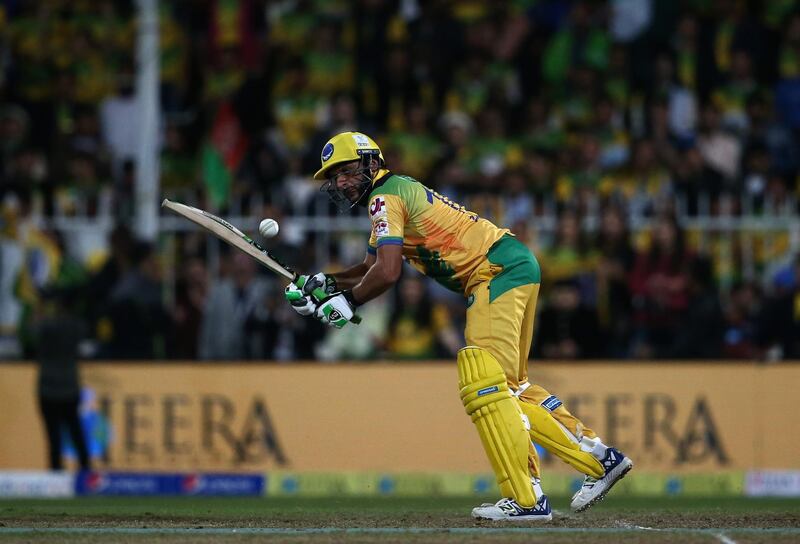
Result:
363,198
342,199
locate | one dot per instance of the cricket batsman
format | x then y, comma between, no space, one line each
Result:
499,278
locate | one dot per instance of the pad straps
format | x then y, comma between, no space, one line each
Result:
521,389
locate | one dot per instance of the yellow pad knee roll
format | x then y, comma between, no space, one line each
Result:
497,415
547,432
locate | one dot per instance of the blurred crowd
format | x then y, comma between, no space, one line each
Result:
614,137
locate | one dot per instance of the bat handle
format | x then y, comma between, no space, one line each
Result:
319,294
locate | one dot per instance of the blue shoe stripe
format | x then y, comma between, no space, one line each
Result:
612,459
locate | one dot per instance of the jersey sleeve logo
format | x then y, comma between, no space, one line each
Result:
377,207
381,227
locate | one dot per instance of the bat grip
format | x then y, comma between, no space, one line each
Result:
319,294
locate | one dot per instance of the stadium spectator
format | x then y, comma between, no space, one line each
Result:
680,102
644,185
234,299
101,282
59,332
659,284
277,335
539,170
579,42
14,133
766,132
29,170
416,143
780,320
570,256
341,118
699,334
191,290
741,336
359,343
721,151
85,136
178,164
517,203
568,329
419,327
28,265
519,110
613,298
85,192
119,120
140,325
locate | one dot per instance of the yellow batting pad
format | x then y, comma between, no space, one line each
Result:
550,434
496,414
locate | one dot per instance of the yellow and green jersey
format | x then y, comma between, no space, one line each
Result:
440,238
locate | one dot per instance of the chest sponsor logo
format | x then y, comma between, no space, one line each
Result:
377,207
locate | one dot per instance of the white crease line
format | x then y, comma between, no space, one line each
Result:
626,525
724,539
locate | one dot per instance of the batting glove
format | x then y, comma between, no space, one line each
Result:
337,310
302,304
306,292
318,281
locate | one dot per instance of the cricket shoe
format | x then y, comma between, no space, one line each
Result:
593,490
510,510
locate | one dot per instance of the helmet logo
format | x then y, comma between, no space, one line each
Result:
327,151
361,140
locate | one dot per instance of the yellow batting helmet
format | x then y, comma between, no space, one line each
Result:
346,147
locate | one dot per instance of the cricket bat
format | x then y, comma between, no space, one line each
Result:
233,236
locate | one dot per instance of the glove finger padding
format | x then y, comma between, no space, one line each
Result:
302,304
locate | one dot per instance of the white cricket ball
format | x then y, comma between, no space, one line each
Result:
268,228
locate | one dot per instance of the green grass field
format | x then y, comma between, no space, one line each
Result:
102,519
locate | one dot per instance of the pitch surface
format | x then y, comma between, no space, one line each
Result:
383,520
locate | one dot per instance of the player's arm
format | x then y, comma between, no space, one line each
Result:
388,216
299,292
350,277
339,309
381,275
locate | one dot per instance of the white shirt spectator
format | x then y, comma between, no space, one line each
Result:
119,122
629,18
